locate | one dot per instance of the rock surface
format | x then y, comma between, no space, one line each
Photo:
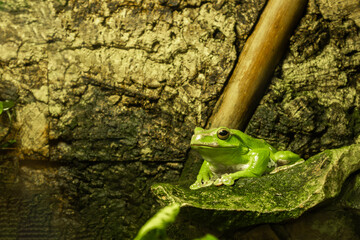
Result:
268,199
351,197
313,102
111,81
108,94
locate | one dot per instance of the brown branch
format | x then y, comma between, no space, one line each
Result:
256,64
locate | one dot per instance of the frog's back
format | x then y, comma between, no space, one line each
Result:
254,143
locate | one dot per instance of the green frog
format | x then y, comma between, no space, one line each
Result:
230,154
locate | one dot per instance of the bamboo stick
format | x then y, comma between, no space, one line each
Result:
258,59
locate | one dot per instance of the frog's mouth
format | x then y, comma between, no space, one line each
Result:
210,145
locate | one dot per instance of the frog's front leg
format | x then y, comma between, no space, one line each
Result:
203,179
257,166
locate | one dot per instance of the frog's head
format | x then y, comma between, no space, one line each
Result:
218,144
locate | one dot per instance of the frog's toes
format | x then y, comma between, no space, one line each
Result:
228,180
195,186
218,182
199,184
225,179
207,183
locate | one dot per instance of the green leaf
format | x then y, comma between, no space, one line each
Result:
9,115
7,104
1,107
8,144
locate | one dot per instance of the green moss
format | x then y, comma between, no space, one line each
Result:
354,121
268,199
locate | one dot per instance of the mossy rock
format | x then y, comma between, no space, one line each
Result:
268,199
351,198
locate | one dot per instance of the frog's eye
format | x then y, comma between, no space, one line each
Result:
223,134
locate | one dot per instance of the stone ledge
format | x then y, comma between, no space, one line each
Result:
268,199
